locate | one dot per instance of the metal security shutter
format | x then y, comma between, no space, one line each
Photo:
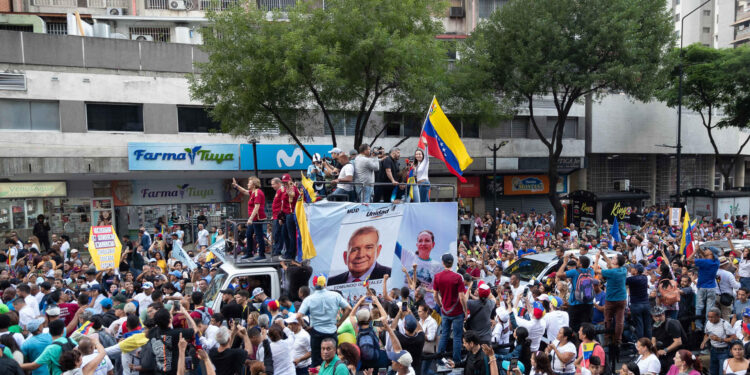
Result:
523,203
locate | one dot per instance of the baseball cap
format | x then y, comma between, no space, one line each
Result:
410,323
147,285
403,358
316,158
447,258
291,319
286,177
556,301
484,290
120,306
152,260
176,274
106,303
319,281
353,152
74,251
120,297
657,310
53,311
335,150
228,291
94,287
34,324
538,310
363,315
257,291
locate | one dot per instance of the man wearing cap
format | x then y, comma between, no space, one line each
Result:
259,296
144,298
229,307
33,347
449,293
365,166
301,347
108,314
667,336
346,174
410,336
322,306
277,217
388,174
708,267
480,311
727,284
288,205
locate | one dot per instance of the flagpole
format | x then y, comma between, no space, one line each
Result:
425,121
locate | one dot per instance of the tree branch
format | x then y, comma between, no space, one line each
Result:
326,116
541,136
286,126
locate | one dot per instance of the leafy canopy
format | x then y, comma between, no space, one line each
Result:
352,55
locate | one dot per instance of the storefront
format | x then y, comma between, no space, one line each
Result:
589,207
22,202
707,204
522,193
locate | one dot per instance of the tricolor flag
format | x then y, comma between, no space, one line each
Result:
727,223
308,192
442,141
588,350
686,242
305,247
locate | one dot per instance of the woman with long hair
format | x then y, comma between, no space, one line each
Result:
522,350
685,362
647,361
736,364
256,212
540,364
563,352
421,167
630,368
11,344
349,353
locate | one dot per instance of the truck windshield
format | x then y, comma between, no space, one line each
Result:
214,287
526,268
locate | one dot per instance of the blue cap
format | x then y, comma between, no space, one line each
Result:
520,366
106,303
34,324
746,314
176,274
410,323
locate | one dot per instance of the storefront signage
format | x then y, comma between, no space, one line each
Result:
147,192
525,185
182,156
624,211
280,157
104,246
470,188
33,189
583,211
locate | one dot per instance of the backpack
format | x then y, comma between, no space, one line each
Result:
205,317
369,345
584,292
67,346
669,293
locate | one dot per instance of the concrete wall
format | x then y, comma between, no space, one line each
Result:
73,51
623,126
160,119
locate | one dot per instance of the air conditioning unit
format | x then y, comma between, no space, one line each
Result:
457,12
143,38
622,185
115,11
177,5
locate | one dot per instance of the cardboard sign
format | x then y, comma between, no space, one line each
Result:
674,216
104,246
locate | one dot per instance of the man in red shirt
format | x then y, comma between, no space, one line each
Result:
256,212
291,195
279,230
449,288
474,269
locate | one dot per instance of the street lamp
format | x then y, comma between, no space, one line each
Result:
494,149
679,100
254,142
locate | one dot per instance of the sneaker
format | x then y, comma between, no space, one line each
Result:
285,259
259,258
246,257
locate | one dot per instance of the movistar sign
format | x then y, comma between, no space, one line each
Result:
280,157
180,156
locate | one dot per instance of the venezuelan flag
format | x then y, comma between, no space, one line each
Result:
686,242
305,246
308,191
442,141
727,224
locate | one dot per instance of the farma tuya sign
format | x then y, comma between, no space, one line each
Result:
181,156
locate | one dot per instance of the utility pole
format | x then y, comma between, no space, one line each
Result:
254,142
494,149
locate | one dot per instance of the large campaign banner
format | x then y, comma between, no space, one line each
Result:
358,244
104,247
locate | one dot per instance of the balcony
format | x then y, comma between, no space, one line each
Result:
743,14
213,5
81,3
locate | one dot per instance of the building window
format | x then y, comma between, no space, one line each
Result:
402,125
519,127
677,2
195,120
487,7
707,12
466,127
706,30
677,17
57,28
344,123
29,115
115,117
150,34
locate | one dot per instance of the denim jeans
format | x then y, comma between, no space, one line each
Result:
455,323
364,193
278,237
705,301
718,356
427,367
745,282
424,190
260,233
350,194
641,314
290,237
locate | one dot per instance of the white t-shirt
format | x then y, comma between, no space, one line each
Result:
648,365
104,366
557,364
281,352
301,347
144,302
64,249
744,270
555,320
346,171
203,238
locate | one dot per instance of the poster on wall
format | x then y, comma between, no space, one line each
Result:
373,240
151,192
104,247
583,211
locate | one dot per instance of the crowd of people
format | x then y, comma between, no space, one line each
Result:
635,306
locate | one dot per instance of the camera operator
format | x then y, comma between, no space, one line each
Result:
315,173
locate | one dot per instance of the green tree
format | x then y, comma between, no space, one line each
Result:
709,88
353,55
566,50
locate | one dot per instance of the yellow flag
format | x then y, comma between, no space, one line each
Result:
308,249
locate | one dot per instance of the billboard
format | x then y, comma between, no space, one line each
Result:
275,157
360,243
182,156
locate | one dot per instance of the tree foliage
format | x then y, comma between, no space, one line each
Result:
715,81
353,55
567,49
